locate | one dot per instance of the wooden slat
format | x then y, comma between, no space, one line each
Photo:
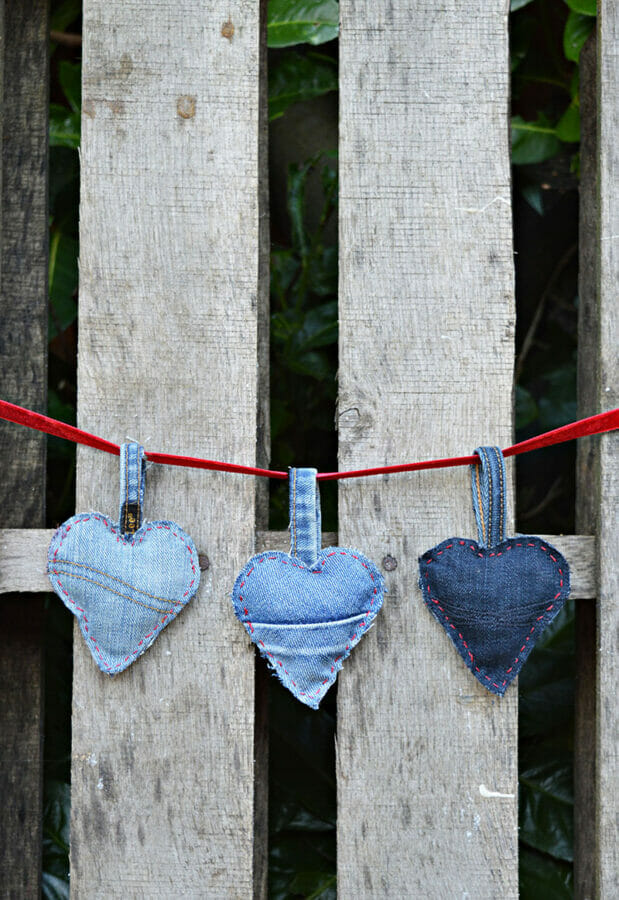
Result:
587,482
23,557
163,755
607,731
426,360
23,375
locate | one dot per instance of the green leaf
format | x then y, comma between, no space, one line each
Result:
70,77
314,885
544,878
56,833
568,126
54,887
518,4
577,30
313,363
586,7
533,142
526,407
65,14
64,126
546,683
296,22
546,807
63,281
294,77
319,328
532,193
557,405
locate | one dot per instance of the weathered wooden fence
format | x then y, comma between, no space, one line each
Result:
168,771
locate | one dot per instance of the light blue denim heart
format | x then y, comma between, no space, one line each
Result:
494,596
306,610
123,582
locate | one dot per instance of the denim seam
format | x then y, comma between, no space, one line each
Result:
502,519
110,590
71,562
250,626
481,506
540,619
124,542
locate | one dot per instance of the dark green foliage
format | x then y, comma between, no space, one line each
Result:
295,76
301,21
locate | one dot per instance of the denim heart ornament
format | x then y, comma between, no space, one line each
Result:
124,582
493,596
306,610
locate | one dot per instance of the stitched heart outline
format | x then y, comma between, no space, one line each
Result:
97,595
280,609
508,617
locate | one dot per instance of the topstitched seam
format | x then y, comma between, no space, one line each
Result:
72,562
349,645
108,524
541,618
479,500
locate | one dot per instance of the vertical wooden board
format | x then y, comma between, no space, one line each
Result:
169,289
607,756
23,358
426,362
587,480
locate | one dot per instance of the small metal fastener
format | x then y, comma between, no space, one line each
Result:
203,562
389,563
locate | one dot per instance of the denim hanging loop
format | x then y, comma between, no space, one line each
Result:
132,472
305,518
488,486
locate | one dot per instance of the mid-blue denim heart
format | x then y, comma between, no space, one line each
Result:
124,582
306,610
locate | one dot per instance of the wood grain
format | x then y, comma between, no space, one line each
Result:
163,755
426,362
587,483
23,375
607,357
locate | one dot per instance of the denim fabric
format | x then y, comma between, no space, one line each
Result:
488,488
306,610
493,597
123,582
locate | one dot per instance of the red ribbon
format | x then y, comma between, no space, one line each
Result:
607,421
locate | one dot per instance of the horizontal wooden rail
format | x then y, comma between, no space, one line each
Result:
23,555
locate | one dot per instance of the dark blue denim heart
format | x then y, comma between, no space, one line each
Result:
494,602
305,620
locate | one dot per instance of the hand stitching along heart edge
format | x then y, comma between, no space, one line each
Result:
368,617
521,541
60,536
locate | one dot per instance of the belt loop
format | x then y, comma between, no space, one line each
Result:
305,519
488,484
132,469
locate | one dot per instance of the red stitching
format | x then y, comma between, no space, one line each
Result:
539,618
300,566
125,542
